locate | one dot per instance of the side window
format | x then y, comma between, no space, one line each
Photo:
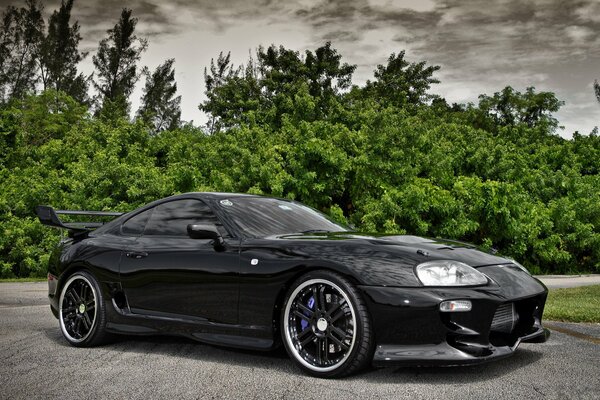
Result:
172,218
134,226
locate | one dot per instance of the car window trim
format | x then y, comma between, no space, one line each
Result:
153,207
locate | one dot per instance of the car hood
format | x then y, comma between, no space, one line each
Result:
423,248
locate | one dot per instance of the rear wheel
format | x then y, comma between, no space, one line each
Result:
81,313
325,325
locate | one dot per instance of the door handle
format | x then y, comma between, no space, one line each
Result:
136,254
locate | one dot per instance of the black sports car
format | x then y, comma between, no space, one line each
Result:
253,272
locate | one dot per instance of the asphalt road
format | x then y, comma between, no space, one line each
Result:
36,362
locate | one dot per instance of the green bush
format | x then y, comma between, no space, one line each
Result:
412,170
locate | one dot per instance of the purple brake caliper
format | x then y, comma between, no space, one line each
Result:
304,322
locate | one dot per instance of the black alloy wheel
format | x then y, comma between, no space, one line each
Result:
81,310
325,325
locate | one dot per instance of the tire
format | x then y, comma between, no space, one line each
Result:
325,325
81,311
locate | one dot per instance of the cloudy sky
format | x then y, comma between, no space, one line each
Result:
481,45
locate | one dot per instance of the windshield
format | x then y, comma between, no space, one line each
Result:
263,216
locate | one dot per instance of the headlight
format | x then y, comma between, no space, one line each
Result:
449,273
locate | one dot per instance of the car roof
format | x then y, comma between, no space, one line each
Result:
206,196
221,195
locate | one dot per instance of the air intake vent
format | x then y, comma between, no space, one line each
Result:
505,318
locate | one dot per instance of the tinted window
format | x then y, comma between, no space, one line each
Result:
263,216
172,218
134,226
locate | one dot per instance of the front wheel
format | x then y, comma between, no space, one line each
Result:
81,311
325,325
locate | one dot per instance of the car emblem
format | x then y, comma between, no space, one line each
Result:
254,261
226,203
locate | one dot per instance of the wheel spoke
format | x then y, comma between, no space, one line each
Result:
75,295
87,318
334,308
77,327
300,315
84,293
320,351
86,322
315,292
322,304
304,333
342,334
308,312
309,338
70,295
340,313
339,342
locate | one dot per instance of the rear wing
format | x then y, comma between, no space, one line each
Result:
49,216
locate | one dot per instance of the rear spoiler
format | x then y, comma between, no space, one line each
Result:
49,216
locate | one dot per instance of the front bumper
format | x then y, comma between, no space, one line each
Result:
446,355
410,330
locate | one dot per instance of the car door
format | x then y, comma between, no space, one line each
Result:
166,273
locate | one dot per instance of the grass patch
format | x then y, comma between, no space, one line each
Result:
580,304
23,280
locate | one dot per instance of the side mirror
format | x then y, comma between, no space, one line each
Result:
197,231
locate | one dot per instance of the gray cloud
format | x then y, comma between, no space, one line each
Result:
481,45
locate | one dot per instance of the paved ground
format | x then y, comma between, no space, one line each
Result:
567,281
36,362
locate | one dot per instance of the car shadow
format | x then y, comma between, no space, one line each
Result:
278,360
522,358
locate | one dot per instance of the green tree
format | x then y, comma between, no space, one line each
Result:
160,108
400,82
220,71
284,72
220,88
322,70
20,40
59,55
265,90
510,107
597,90
116,66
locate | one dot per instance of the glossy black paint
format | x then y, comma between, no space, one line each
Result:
229,291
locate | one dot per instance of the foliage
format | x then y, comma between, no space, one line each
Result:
116,65
510,107
400,83
263,91
160,107
59,55
21,33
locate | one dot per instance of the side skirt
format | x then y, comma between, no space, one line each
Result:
133,321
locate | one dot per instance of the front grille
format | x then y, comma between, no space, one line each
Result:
505,319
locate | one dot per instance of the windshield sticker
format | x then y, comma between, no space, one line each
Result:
226,203
284,207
